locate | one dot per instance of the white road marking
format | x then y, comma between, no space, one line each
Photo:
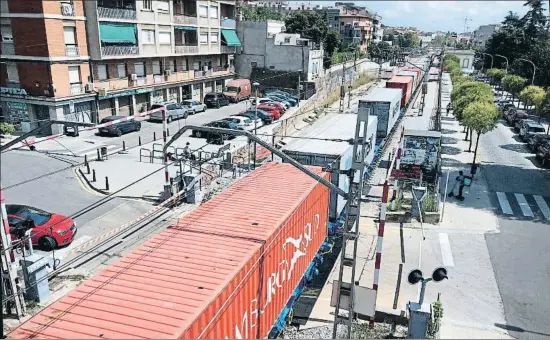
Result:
542,206
525,208
504,204
446,252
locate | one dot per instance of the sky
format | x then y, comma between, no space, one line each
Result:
438,15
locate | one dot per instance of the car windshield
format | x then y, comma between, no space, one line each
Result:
232,89
233,120
537,129
247,121
156,106
39,217
187,103
210,96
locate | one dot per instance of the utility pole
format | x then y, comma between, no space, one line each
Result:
256,85
351,81
7,264
342,88
299,85
351,221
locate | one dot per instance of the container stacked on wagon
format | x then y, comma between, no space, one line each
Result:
226,270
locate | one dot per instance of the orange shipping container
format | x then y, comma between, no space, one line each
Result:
226,270
405,83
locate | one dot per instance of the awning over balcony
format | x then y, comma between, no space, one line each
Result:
117,33
185,28
230,37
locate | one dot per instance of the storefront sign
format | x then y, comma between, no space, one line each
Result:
144,90
126,93
17,106
11,90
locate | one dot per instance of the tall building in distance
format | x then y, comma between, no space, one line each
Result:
86,60
482,34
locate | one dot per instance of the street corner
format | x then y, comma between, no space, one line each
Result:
87,181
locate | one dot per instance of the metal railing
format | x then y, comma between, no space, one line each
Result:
183,19
67,9
77,89
228,49
8,48
186,49
119,50
116,13
72,51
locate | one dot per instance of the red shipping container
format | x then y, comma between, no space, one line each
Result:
404,83
418,74
226,270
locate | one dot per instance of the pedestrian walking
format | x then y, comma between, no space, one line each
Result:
448,108
460,182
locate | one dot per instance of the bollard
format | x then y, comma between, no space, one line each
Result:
88,168
123,145
106,183
154,136
86,160
139,140
167,132
93,175
98,155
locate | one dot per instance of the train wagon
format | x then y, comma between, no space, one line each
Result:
403,83
388,72
384,103
418,72
225,270
410,74
337,155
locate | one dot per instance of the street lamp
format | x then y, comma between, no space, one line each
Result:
257,86
534,69
498,55
489,56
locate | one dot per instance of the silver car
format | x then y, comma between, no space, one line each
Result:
193,106
173,111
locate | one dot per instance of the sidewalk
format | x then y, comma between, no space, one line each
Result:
470,298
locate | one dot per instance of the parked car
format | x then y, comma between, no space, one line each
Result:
262,115
193,106
217,123
529,128
242,122
506,107
516,119
259,101
173,111
271,110
284,94
282,99
280,107
543,153
535,140
237,90
219,138
215,99
50,230
119,128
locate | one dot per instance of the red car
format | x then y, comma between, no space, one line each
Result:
280,107
271,110
51,230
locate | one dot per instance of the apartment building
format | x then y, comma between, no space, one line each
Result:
482,34
85,60
355,24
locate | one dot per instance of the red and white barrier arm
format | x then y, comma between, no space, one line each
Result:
138,116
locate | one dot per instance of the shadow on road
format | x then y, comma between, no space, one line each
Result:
519,329
521,148
450,150
449,140
447,132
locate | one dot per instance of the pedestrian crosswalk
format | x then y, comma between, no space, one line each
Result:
525,206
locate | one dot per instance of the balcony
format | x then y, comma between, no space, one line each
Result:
228,49
77,88
158,78
72,51
181,19
119,50
180,76
111,84
8,48
116,13
186,49
67,9
228,23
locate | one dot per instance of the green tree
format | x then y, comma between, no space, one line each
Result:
331,44
409,39
451,57
260,13
531,94
465,94
513,84
309,24
534,22
481,117
543,110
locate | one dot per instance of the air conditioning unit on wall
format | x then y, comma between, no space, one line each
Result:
133,76
167,72
89,87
